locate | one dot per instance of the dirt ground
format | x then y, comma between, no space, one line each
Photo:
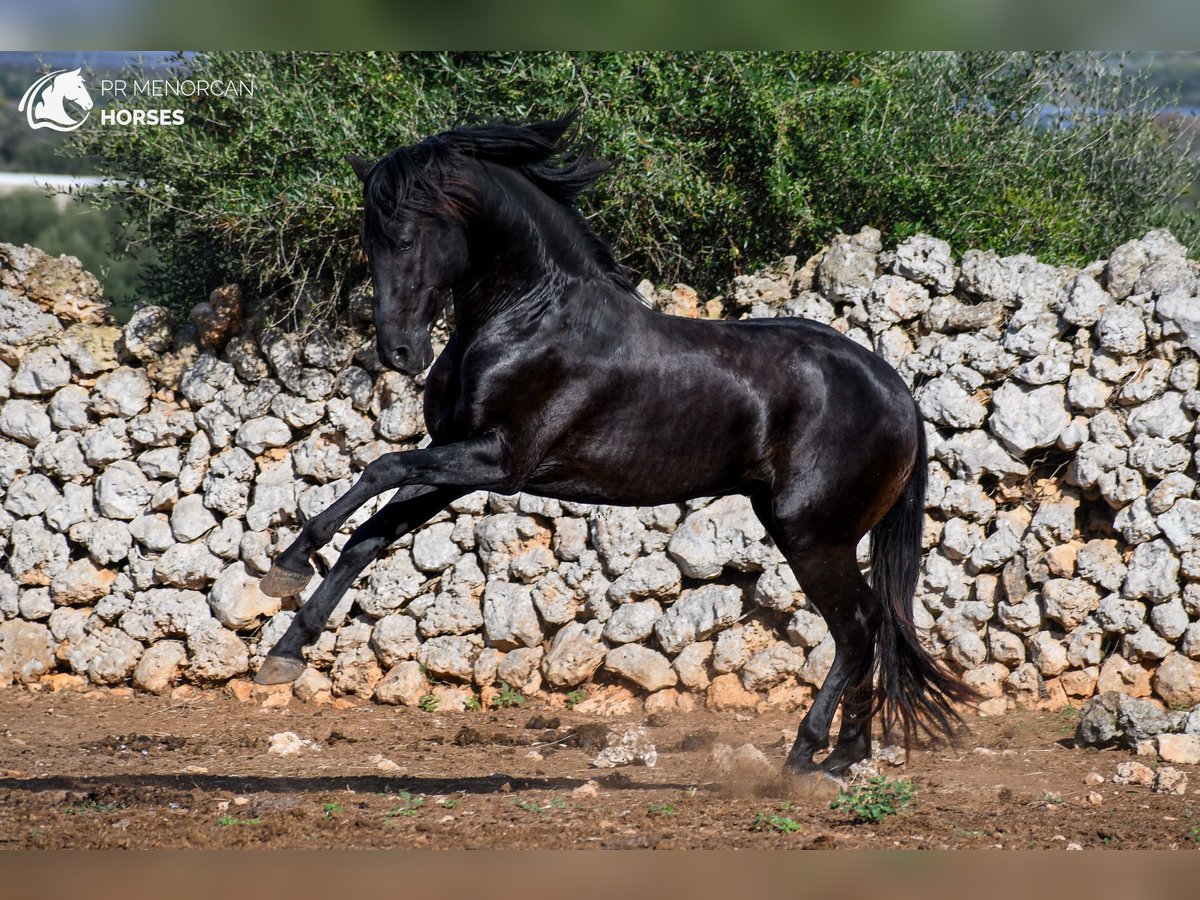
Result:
142,771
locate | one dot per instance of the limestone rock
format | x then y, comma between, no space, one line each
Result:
575,653
509,617
236,601
1177,681
641,665
26,652
216,653
159,666
451,656
632,622
356,672
404,685
1025,419
698,614
724,533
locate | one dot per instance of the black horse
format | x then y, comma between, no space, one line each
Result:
559,381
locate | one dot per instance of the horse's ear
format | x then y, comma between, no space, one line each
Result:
360,166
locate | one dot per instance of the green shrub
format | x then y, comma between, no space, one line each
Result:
722,160
874,801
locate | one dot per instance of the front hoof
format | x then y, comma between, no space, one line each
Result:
281,582
279,670
813,784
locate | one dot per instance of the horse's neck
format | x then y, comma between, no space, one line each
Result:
529,254
517,259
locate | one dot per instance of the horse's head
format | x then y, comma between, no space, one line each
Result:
70,86
417,249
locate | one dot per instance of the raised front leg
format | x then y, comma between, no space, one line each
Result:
478,463
285,661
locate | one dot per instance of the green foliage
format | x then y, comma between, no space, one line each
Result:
876,800
409,806
667,810
532,806
331,809
783,824
472,703
575,697
429,703
227,820
508,697
722,160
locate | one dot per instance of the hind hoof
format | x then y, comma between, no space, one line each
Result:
281,582
839,764
279,670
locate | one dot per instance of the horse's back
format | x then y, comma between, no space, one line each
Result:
683,407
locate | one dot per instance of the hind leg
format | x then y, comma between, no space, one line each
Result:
854,738
830,578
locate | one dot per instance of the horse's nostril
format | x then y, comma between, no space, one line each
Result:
401,355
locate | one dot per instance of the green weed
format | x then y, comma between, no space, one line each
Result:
508,698
227,820
876,800
409,805
782,824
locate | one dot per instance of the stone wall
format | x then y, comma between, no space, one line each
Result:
148,477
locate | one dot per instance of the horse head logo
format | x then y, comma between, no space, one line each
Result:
43,102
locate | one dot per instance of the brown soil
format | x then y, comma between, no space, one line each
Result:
141,771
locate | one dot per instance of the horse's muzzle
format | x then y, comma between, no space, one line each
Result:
407,359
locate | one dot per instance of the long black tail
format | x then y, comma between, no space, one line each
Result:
912,689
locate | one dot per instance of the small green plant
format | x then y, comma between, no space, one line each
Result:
508,697
410,804
663,809
1052,799
782,824
92,807
429,703
473,703
227,820
532,806
451,802
876,800
1194,834
330,809
574,698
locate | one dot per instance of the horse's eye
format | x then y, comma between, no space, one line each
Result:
404,245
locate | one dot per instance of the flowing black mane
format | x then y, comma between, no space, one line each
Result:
429,176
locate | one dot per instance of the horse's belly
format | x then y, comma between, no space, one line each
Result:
632,473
